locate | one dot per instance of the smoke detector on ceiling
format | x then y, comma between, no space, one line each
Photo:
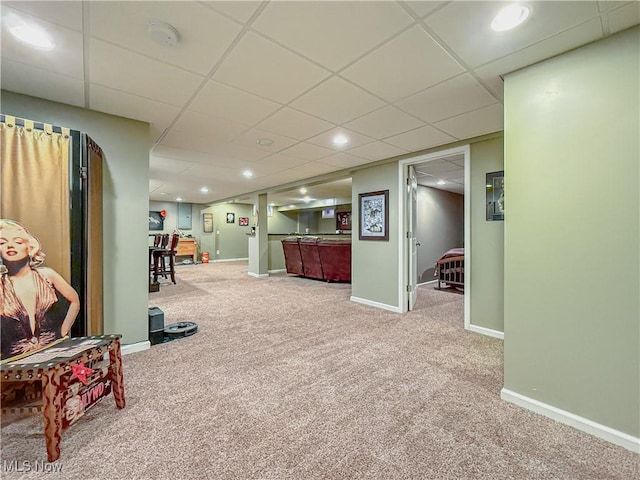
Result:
162,33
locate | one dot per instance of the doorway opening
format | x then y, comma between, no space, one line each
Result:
411,272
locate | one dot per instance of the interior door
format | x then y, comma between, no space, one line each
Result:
412,200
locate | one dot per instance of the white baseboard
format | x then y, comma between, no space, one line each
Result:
230,260
258,275
280,270
486,331
427,283
135,347
371,303
602,431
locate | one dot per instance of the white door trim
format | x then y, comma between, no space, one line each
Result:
403,260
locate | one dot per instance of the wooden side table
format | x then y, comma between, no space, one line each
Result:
187,247
52,369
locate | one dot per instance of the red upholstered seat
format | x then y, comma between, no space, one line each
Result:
292,256
335,257
311,257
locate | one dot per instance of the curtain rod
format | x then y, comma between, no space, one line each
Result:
20,122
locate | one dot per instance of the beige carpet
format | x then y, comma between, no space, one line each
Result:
288,379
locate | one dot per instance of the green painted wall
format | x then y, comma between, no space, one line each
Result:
230,239
487,240
572,245
374,271
125,144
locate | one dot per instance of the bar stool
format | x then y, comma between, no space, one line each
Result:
160,257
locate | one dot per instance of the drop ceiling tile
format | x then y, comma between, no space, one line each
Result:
624,17
33,81
231,103
281,162
377,151
605,5
140,75
203,35
343,160
453,22
386,122
250,139
422,8
403,66
65,58
450,98
306,151
332,33
295,124
346,101
437,168
326,139
154,185
485,120
259,66
310,169
216,128
420,139
174,166
158,114
240,11
237,153
66,14
562,42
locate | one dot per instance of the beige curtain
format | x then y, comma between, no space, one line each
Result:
35,187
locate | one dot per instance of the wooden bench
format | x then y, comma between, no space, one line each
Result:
63,381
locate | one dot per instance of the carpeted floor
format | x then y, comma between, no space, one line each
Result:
288,379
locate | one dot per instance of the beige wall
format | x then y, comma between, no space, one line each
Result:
572,248
230,239
125,144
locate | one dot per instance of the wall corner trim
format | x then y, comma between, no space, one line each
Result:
371,303
601,431
135,347
258,275
486,331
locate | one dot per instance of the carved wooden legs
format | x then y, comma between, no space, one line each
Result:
52,396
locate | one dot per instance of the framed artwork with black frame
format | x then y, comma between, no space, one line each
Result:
374,216
231,217
156,221
207,222
495,195
343,221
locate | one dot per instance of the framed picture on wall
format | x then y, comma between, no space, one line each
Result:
343,221
495,196
374,215
243,221
231,218
207,222
156,221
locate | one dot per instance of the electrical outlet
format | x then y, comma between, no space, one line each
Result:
217,252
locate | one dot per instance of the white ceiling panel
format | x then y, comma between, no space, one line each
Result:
354,27
377,151
240,11
28,80
386,122
450,98
624,17
424,8
454,21
310,169
343,160
140,75
484,120
326,139
420,138
567,40
259,66
173,166
281,162
337,101
66,14
294,124
216,128
407,64
250,139
158,114
203,35
232,103
306,151
65,58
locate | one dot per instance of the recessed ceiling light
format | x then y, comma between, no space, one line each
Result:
164,193
303,190
34,36
306,199
178,199
292,206
340,139
272,204
265,142
441,182
204,190
510,17
247,173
